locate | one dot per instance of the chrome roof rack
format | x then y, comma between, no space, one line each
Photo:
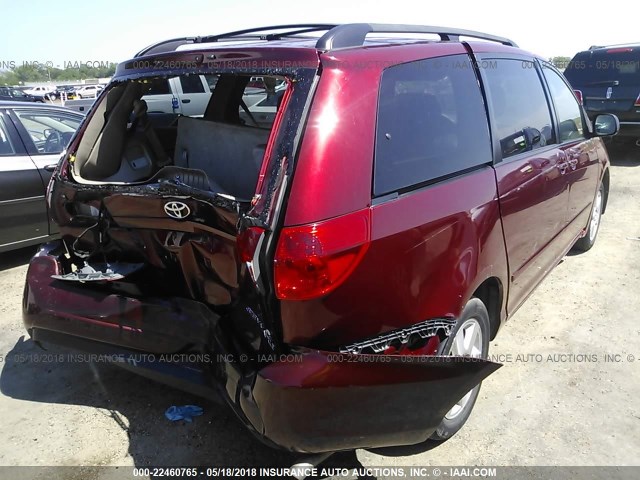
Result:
354,34
336,36
259,33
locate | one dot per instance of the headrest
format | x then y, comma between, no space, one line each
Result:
139,108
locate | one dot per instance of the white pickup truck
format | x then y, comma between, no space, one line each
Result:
185,94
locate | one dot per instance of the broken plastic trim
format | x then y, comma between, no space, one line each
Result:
424,330
101,272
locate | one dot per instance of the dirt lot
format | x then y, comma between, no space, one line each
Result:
536,410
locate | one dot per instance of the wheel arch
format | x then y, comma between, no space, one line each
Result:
491,293
605,183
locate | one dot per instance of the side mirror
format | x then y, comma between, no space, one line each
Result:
606,124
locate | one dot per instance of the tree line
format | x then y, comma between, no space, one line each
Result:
39,72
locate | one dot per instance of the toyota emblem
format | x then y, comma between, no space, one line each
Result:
177,210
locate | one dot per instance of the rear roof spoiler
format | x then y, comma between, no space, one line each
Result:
630,45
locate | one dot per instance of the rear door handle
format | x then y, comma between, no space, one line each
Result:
186,100
50,168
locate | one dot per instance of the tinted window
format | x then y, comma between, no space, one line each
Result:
567,109
5,143
159,86
191,84
522,120
49,131
431,123
601,67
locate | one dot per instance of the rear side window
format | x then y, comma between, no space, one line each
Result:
522,119
431,123
566,106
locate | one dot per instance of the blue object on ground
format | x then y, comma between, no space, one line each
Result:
185,412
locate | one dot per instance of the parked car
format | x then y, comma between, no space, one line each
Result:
79,105
88,91
68,90
46,92
607,80
329,274
13,94
32,136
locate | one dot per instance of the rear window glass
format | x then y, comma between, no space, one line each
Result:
599,67
431,123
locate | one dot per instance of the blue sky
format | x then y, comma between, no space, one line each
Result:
114,30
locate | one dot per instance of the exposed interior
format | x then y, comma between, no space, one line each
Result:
211,131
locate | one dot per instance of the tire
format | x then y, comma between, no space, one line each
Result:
474,316
585,243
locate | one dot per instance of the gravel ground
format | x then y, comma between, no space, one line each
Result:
544,407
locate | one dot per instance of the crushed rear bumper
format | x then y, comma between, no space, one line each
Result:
306,401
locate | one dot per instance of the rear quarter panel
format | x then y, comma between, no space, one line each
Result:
430,251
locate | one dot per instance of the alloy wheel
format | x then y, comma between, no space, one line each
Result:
466,343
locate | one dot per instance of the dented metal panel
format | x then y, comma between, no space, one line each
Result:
307,400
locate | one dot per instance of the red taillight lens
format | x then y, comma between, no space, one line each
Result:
312,260
637,102
247,242
578,96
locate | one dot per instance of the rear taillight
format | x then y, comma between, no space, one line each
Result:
637,102
312,260
247,242
579,96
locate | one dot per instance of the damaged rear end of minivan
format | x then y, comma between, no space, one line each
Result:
171,222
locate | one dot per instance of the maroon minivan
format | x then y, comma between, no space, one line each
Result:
333,252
